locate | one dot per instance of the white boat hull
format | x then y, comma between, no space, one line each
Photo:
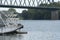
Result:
9,29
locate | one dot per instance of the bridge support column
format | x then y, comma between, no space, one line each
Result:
54,15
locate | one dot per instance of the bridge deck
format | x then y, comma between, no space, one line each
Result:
30,7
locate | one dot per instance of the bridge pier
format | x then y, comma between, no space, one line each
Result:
54,15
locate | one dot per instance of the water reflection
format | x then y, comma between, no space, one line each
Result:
37,35
11,37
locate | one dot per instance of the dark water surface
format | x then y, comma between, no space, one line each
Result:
37,30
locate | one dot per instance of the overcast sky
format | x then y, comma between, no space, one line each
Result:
17,9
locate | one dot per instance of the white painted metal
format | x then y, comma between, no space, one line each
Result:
10,24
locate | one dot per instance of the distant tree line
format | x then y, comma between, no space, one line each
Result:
39,14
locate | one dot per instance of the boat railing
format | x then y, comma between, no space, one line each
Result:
4,21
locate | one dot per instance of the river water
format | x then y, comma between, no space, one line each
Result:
37,30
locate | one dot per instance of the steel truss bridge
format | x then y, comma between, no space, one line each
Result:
27,4
32,4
